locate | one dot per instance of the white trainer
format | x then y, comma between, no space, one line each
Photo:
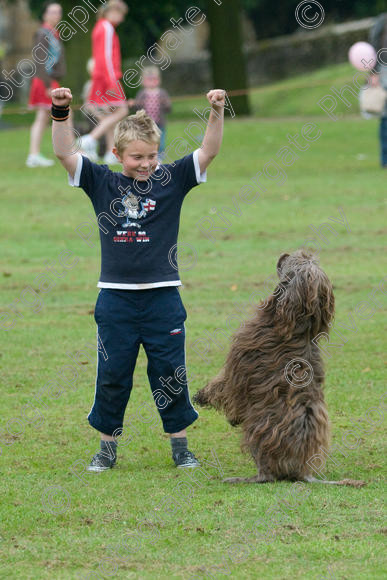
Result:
38,160
89,147
110,158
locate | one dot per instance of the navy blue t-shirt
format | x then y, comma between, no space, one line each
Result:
138,220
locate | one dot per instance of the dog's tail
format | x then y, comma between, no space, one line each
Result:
347,482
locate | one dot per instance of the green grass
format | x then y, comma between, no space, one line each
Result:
334,530
295,96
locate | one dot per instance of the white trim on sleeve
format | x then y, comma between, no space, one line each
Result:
75,181
200,177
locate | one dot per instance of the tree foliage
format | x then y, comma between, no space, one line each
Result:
272,19
147,20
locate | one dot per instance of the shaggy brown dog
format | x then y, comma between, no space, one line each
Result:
272,382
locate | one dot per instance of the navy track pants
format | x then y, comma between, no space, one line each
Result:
154,318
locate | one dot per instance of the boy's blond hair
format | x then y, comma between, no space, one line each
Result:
138,127
116,4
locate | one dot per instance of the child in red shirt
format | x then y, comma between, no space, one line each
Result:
105,77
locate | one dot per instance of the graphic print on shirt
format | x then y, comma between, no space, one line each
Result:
135,209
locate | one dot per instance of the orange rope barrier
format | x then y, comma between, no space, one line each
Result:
234,93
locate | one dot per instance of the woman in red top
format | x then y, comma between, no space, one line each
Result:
46,78
105,92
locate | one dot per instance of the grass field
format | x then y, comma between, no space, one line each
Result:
135,521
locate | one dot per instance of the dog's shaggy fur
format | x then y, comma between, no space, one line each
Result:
283,425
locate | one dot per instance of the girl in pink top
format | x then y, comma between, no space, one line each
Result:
154,100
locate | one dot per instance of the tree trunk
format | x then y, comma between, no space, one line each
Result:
226,45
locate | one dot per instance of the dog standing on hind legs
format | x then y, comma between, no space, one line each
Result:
272,382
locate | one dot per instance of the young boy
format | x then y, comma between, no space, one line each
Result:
138,212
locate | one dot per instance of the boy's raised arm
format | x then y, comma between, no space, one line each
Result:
214,132
62,131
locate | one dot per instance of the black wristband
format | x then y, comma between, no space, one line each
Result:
60,112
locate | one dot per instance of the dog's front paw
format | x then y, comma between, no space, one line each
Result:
200,398
233,480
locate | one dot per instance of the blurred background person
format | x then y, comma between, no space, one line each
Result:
378,39
46,78
154,100
106,72
87,124
87,86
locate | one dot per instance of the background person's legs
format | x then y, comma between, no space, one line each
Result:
35,159
104,128
37,130
109,156
109,136
383,141
162,142
109,121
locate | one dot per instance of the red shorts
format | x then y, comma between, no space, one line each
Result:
38,97
99,88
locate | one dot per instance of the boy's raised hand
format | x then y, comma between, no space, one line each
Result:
217,97
61,97
214,131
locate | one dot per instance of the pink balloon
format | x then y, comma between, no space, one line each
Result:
362,51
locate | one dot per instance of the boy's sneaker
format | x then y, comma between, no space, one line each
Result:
101,462
89,147
38,160
185,459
